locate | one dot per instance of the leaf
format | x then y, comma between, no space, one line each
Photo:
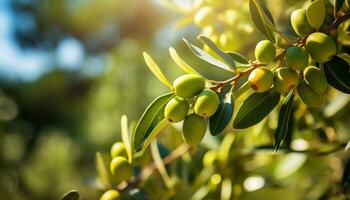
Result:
261,21
228,60
126,136
316,13
104,175
238,57
338,5
207,57
153,116
255,108
346,178
337,72
222,116
181,63
152,65
284,120
71,195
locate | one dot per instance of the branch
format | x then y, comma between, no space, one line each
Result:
337,22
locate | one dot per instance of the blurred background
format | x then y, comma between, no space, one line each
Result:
70,68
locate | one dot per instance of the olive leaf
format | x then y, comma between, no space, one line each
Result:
102,167
222,116
337,72
207,57
228,60
255,108
152,120
316,13
238,57
338,5
126,136
261,18
346,178
152,65
71,195
284,121
181,63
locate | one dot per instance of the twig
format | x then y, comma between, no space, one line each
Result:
337,22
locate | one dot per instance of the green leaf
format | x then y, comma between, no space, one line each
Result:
223,115
126,136
181,63
71,195
238,57
102,167
316,13
261,21
346,178
148,124
228,60
207,57
338,5
152,65
284,120
337,72
255,108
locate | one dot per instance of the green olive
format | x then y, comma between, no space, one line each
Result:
316,79
261,79
118,149
296,58
285,80
176,109
210,158
110,195
205,17
121,168
188,85
193,129
321,47
308,96
207,103
265,51
300,23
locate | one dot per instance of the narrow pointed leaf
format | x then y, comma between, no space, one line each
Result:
153,115
181,63
255,108
337,72
284,120
152,65
261,21
228,60
238,57
223,115
338,5
207,57
72,195
102,168
316,13
126,136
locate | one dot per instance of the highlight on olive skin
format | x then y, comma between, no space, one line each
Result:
110,195
176,109
188,85
321,47
121,168
286,79
265,51
118,149
207,103
300,23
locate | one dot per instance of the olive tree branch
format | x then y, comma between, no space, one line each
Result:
337,23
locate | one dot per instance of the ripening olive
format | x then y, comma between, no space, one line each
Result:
261,79
205,17
188,85
193,129
121,168
207,103
265,51
118,149
300,23
110,195
321,47
176,109
285,80
210,158
297,58
308,96
316,79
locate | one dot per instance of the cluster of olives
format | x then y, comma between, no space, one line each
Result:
120,168
193,104
309,81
